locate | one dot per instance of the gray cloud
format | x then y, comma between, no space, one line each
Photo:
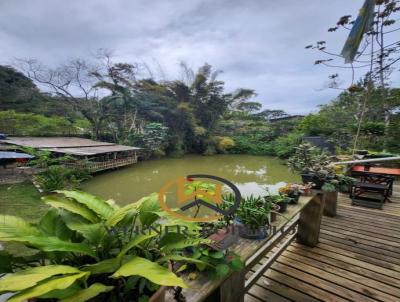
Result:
258,44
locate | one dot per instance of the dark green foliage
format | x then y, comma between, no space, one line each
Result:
393,140
254,212
58,177
217,264
19,93
338,120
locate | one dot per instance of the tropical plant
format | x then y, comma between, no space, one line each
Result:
254,212
59,177
85,247
217,264
329,187
311,163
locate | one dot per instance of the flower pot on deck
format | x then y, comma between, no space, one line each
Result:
255,234
294,198
283,205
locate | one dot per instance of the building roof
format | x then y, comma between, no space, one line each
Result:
68,145
15,155
53,142
87,151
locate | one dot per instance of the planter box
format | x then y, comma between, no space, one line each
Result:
224,238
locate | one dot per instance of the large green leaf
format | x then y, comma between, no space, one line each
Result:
30,277
12,226
134,242
94,232
120,214
71,206
103,267
88,293
181,258
184,243
51,224
152,271
149,205
101,207
62,293
52,244
46,286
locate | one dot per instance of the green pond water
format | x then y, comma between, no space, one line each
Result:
251,174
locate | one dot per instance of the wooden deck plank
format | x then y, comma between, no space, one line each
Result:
258,292
359,251
357,259
357,278
283,290
365,293
362,228
346,243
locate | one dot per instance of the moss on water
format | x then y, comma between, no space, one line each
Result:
22,200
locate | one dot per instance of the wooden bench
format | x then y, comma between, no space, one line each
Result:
370,195
301,222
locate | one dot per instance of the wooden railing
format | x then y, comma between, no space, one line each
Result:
96,166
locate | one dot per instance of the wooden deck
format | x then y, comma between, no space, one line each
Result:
357,259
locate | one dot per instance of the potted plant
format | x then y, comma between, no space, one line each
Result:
293,191
252,217
281,200
88,247
345,183
224,232
313,166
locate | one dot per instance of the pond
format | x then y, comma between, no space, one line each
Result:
251,174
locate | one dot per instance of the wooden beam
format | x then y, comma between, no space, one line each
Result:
330,206
231,289
370,160
310,221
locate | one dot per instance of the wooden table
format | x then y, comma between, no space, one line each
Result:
377,170
302,222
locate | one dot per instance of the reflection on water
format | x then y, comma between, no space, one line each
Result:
251,174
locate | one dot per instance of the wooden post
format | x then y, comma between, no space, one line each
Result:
310,221
331,199
232,289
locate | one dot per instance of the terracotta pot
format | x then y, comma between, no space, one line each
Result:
224,238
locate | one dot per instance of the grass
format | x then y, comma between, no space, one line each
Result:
21,200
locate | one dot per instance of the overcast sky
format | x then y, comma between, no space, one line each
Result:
259,44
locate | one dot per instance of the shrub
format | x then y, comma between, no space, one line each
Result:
58,177
284,146
224,143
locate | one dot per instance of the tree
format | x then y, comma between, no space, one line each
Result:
376,59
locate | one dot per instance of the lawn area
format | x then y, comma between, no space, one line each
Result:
21,200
